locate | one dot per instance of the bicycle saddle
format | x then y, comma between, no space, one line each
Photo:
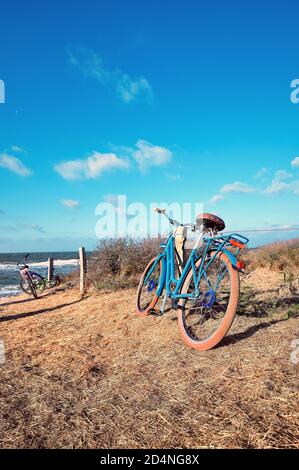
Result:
210,221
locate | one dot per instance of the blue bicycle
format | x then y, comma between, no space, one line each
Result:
205,289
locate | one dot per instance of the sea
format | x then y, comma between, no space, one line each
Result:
64,263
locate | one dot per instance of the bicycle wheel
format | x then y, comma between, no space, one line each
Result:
205,321
55,282
35,285
147,298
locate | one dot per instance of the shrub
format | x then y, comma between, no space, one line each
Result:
280,256
117,263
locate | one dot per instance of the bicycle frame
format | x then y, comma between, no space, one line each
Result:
25,273
167,259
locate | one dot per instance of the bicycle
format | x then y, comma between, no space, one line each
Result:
30,283
206,289
55,281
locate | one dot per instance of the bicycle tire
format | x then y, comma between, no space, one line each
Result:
225,323
32,288
144,311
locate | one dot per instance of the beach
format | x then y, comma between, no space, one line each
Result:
64,262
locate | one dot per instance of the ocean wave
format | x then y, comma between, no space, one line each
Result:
41,264
12,289
57,262
7,266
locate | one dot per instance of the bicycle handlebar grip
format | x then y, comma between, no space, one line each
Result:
160,211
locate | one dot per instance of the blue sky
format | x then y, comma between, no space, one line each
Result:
184,101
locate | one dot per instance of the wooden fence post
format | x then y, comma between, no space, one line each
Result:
50,269
83,268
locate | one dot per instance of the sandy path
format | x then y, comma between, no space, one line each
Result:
88,373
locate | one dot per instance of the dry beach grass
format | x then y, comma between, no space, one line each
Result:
86,372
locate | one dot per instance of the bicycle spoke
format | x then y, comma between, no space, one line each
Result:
204,318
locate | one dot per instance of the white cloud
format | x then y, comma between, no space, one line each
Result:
277,187
260,173
70,203
130,90
236,187
282,175
111,198
295,187
91,65
216,198
144,153
88,62
13,164
278,184
17,149
173,176
34,227
91,167
148,155
295,162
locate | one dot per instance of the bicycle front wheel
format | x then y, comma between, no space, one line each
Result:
204,321
147,297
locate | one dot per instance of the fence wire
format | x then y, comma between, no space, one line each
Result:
264,230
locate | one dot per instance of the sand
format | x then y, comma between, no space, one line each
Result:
89,373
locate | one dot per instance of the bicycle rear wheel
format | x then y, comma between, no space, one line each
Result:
147,298
35,285
205,321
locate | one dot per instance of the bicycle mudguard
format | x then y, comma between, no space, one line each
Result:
231,256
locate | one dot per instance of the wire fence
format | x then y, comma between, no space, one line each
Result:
264,230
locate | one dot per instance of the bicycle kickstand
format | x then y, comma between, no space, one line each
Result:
162,308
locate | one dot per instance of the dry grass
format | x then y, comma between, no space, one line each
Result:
280,256
88,373
117,263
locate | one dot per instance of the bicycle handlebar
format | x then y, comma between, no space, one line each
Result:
24,259
160,211
173,221
163,211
